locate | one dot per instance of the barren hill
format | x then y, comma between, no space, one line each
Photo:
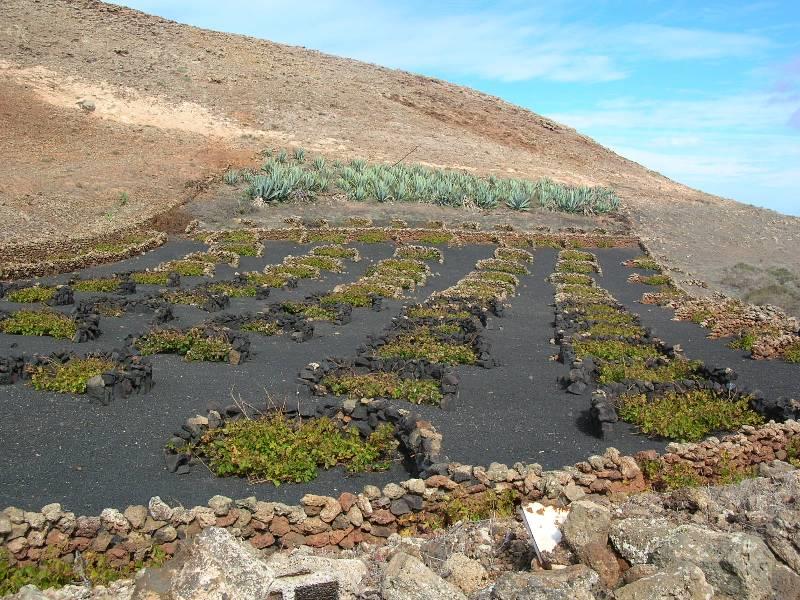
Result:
175,105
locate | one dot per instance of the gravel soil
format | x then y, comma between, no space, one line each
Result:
62,448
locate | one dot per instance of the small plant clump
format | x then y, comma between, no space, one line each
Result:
373,237
298,271
687,416
105,285
577,266
422,343
39,323
614,350
576,255
332,237
437,311
312,312
34,293
517,254
262,327
193,344
437,237
654,280
643,262
321,263
272,279
499,264
52,572
186,268
150,277
70,377
336,251
277,449
385,385
674,370
792,353
234,290
419,253
360,294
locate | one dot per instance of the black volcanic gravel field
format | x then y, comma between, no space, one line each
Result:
62,448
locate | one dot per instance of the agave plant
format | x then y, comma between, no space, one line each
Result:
358,193
318,164
299,155
231,177
381,191
519,200
282,157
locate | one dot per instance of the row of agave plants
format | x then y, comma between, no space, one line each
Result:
284,177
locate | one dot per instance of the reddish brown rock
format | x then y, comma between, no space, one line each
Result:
382,517
229,519
318,540
279,526
347,500
263,540
440,481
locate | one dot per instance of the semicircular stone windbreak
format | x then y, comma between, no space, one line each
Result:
638,377
203,342
373,434
75,325
30,293
102,376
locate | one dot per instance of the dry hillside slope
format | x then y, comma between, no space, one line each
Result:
176,104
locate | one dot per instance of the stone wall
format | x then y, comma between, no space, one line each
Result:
369,516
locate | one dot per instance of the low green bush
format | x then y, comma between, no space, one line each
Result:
516,254
437,237
792,353
674,370
40,323
576,266
438,311
687,416
499,264
385,385
298,271
34,293
234,290
326,236
280,450
185,268
655,280
613,350
646,263
418,253
358,294
193,344
150,277
104,284
576,255
422,343
336,251
70,377
262,326
373,237
273,280
322,263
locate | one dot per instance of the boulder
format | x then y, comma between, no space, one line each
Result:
572,583
736,564
636,538
468,574
680,581
586,523
407,578
301,569
214,566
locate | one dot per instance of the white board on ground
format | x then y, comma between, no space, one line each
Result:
544,523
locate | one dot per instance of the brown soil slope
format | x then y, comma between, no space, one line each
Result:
176,103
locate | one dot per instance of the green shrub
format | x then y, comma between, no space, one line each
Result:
56,573
336,251
405,267
499,264
583,292
628,330
438,237
373,237
613,350
501,276
576,255
745,341
385,385
792,353
185,268
34,293
421,343
298,271
150,277
280,450
674,370
322,263
121,245
482,506
644,262
241,248
358,294
655,280
41,322
576,266
572,279
687,416
70,377
105,284
418,253
193,344
262,326
517,254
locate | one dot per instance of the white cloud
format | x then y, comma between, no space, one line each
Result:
676,43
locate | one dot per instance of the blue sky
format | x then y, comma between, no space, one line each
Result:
706,93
